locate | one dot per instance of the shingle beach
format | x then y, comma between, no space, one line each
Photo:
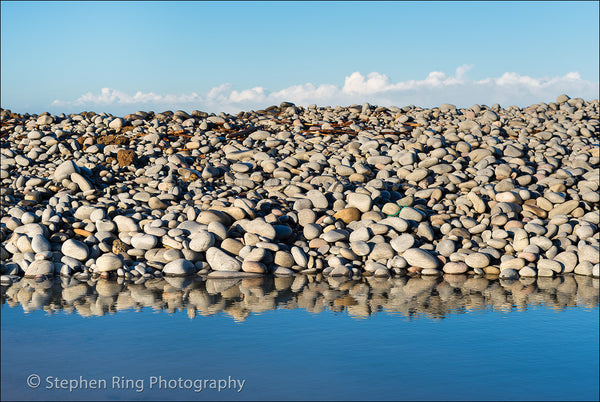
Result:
349,192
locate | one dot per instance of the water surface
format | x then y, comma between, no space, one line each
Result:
453,337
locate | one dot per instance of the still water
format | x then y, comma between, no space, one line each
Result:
448,338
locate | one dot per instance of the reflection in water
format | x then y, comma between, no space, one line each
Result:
433,297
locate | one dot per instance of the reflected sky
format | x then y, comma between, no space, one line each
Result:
304,338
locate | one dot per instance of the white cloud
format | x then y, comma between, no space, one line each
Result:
436,88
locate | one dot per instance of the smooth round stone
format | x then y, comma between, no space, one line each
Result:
172,254
156,203
445,247
477,260
97,214
306,217
527,272
361,201
64,170
583,231
254,266
360,248
335,235
396,223
509,273
458,267
202,241
411,214
545,272
382,251
126,224
589,253
32,229
382,273
179,267
284,259
348,215
318,199
256,254
299,256
262,228
144,241
360,234
24,245
208,216
282,271
39,267
341,270
372,266
283,232
221,261
564,208
39,244
585,268
75,249
402,242
417,175
514,263
232,246
82,182
509,196
105,225
549,264
568,259
108,262
419,258
390,209
430,271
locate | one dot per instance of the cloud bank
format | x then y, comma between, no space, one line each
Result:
436,88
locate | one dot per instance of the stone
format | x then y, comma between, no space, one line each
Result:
254,266
318,199
549,264
202,241
362,202
564,208
179,267
455,267
39,267
589,253
156,203
402,243
335,235
348,215
144,241
381,251
64,170
262,228
221,261
299,256
108,262
75,249
39,244
477,260
509,273
420,258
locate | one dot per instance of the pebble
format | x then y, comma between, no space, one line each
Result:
75,249
420,258
179,267
221,261
108,262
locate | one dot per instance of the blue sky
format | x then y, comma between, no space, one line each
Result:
121,57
